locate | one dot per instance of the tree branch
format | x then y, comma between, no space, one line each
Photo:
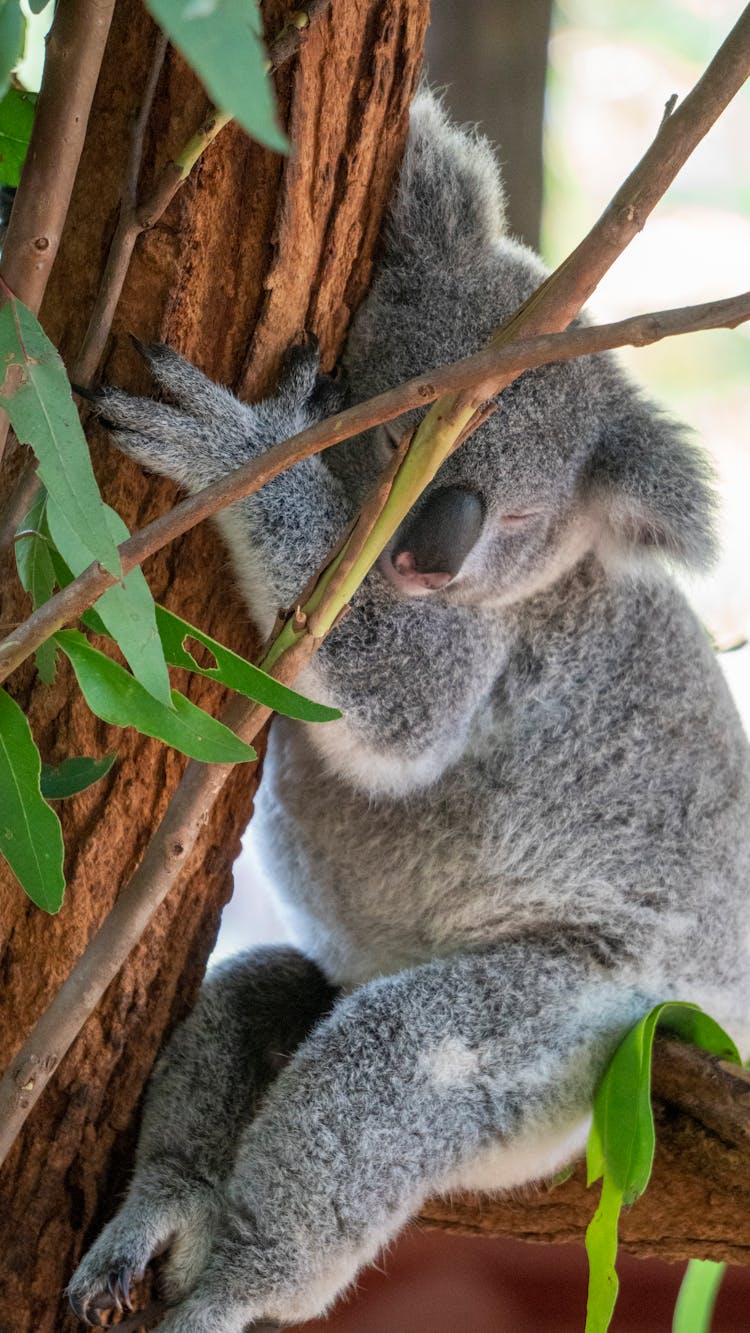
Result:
556,302
698,1202
74,55
483,368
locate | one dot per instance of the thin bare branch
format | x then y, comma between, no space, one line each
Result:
483,368
558,299
74,55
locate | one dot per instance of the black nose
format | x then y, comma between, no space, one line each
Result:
438,538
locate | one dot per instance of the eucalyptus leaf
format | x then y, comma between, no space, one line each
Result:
118,698
222,40
37,574
621,1143
697,1296
73,775
234,671
622,1106
30,833
36,395
601,1248
12,37
126,611
16,122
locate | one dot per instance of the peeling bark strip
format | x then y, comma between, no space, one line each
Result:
252,235
697,1204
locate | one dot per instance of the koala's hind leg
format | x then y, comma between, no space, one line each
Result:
252,1013
411,1082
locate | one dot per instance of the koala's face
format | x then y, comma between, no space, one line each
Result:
504,516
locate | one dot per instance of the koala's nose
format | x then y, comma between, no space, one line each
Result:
435,542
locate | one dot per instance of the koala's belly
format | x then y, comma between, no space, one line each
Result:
368,886
374,885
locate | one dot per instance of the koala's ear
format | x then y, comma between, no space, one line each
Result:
651,488
449,200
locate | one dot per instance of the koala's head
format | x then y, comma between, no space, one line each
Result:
573,459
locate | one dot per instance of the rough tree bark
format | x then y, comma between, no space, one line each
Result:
253,249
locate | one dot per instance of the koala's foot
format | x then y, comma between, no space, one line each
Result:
132,1240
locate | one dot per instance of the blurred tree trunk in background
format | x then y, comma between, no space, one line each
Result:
254,248
493,56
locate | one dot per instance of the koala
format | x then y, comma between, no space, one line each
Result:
530,824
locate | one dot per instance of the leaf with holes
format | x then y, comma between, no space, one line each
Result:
234,671
118,698
30,833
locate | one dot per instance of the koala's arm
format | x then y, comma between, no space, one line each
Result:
408,676
281,534
395,1095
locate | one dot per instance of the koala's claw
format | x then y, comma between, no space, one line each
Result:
112,1292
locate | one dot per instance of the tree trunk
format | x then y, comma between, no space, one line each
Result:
254,249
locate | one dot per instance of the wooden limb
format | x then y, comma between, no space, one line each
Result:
697,1204
507,360
74,55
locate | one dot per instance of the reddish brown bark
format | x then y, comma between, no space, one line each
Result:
697,1204
253,249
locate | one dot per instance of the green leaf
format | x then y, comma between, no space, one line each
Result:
30,833
235,671
601,1248
126,612
16,121
117,697
697,1296
73,775
37,574
622,1140
622,1107
12,36
36,395
222,40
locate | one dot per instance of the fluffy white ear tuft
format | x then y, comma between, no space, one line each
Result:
651,488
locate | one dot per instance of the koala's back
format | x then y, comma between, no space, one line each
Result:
604,795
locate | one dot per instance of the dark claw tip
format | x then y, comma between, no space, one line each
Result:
79,1308
123,1282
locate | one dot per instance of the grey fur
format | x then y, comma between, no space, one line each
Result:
530,825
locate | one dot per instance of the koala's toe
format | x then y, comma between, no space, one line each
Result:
91,1297
300,368
330,394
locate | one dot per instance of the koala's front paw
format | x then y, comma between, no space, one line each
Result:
127,1245
104,1277
303,386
